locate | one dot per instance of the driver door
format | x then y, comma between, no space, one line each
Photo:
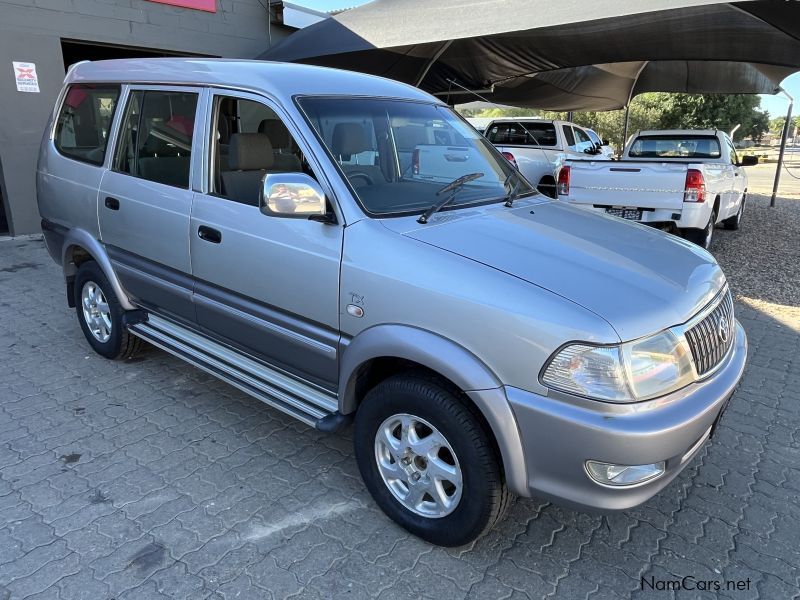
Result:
267,284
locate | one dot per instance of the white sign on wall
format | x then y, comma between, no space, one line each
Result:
25,74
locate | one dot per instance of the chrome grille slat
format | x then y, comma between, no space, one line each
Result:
707,345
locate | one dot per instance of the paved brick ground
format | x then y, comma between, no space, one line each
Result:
150,479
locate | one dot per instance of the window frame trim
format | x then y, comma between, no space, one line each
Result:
199,113
210,145
111,125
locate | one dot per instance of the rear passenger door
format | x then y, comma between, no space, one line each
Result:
267,284
145,198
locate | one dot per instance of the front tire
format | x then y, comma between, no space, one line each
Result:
100,314
702,237
428,461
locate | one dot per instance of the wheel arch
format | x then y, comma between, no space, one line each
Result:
78,247
384,350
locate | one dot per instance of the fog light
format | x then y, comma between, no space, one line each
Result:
622,475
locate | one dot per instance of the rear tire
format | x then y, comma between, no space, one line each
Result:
460,465
100,314
702,237
734,222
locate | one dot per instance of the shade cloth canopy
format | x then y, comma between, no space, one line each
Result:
564,55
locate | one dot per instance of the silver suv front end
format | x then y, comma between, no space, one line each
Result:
615,454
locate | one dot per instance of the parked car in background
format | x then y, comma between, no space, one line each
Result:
479,123
688,181
537,147
322,240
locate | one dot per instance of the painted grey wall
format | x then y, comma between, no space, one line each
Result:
31,31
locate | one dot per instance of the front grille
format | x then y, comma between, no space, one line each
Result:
711,338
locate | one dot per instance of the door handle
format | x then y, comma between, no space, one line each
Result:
112,203
209,234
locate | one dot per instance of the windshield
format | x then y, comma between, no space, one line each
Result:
675,146
397,154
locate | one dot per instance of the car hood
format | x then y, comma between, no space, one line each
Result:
640,280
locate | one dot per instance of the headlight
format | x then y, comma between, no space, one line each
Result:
631,372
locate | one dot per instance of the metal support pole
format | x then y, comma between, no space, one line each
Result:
785,135
625,128
569,116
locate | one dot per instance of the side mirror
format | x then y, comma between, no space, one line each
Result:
606,143
293,195
748,160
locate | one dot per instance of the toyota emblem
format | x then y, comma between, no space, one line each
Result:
722,329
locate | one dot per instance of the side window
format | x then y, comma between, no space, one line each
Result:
734,157
155,141
85,120
594,137
584,141
498,133
249,140
569,137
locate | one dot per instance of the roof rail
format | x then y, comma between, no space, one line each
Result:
72,66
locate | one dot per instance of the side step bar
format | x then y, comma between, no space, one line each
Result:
306,403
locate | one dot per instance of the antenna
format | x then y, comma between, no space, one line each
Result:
521,124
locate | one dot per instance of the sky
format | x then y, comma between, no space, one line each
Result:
777,105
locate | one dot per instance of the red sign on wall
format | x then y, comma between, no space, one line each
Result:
206,5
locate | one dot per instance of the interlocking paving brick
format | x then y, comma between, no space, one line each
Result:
151,479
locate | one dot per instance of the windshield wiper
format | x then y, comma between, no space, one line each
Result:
454,187
514,193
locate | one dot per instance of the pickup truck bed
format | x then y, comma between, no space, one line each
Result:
696,184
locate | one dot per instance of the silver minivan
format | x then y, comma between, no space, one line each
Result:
347,249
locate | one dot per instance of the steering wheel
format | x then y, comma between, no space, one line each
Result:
361,174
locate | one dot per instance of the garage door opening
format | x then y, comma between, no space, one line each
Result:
3,220
77,50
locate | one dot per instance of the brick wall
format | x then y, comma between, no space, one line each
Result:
31,31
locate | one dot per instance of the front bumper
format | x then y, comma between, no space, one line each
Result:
558,436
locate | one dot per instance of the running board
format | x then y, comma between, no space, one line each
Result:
306,403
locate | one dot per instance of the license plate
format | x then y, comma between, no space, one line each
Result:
632,214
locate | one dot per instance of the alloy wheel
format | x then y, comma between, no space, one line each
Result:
418,465
96,311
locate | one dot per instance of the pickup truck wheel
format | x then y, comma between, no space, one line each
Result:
735,221
702,237
428,461
100,314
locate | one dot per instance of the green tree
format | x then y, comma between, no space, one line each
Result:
776,124
659,110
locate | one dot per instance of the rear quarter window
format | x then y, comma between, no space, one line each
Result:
84,121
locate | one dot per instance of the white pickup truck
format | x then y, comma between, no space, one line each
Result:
684,180
537,147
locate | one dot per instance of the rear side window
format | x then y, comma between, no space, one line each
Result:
568,136
675,146
85,121
155,141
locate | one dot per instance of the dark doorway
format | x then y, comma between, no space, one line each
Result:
78,50
3,219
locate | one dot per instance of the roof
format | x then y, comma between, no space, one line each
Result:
566,55
677,132
297,16
516,119
281,80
